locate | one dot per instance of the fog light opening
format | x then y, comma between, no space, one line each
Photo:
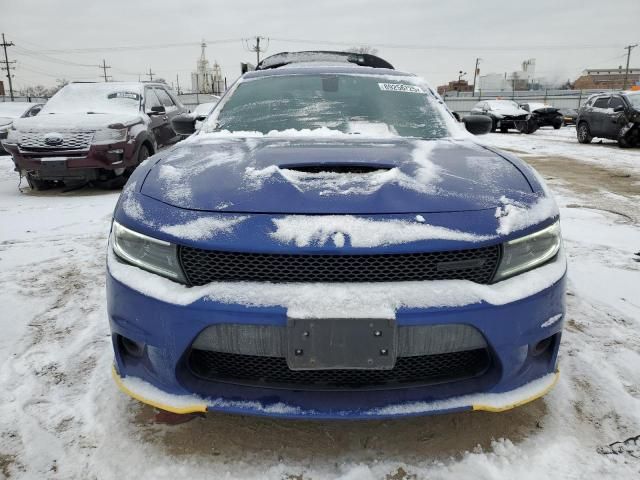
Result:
131,347
542,346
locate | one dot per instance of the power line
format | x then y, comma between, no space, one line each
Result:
7,64
137,47
104,70
256,46
448,46
628,48
46,58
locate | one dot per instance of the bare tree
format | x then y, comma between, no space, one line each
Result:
363,49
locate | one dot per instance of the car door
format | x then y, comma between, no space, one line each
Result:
598,115
614,121
158,123
171,110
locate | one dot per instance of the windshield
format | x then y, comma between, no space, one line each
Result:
14,109
348,103
95,98
634,98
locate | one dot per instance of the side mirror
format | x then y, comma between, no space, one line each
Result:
184,124
619,108
478,124
157,110
201,118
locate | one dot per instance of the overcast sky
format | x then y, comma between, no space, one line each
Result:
564,37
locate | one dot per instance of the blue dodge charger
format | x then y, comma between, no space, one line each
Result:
333,243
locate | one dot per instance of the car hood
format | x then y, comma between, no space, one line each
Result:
267,175
546,110
510,112
70,121
5,121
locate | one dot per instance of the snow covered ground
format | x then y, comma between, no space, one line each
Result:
61,415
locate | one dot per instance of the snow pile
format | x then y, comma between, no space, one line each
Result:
551,321
424,179
203,228
335,183
153,394
513,216
492,400
427,172
342,300
305,230
321,132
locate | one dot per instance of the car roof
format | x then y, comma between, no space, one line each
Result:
315,68
123,84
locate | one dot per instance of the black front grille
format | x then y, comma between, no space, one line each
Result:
274,372
205,266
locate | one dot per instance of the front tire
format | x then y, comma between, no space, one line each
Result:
583,133
120,180
623,142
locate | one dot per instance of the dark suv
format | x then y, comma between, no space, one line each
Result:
611,115
93,132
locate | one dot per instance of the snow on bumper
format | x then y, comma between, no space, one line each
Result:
513,316
182,404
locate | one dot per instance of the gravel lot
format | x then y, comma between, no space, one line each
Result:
61,416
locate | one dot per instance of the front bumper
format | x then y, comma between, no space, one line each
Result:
85,165
167,327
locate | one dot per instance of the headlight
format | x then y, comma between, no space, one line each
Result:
110,135
13,137
145,252
5,128
528,252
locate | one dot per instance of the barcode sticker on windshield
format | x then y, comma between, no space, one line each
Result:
131,95
400,87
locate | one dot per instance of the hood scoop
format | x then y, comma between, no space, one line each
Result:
339,168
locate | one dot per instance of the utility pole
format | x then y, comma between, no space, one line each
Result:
178,83
628,48
150,74
7,64
475,74
256,47
104,67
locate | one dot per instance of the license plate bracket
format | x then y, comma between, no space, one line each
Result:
341,343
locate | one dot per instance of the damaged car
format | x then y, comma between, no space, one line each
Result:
93,132
613,116
506,115
544,115
10,111
333,244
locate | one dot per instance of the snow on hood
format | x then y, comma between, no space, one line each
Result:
513,215
505,107
269,174
5,121
305,230
75,121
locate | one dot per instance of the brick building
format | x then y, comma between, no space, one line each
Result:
455,86
606,78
